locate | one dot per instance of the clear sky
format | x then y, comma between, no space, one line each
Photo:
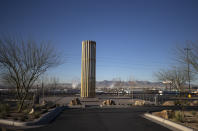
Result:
134,38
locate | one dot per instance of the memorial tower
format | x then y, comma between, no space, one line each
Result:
88,69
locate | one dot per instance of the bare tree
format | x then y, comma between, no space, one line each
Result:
23,61
165,76
177,76
193,56
188,56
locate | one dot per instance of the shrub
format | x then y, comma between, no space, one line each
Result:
194,113
57,105
36,115
2,115
4,110
179,116
186,103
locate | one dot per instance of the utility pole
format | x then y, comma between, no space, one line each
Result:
188,70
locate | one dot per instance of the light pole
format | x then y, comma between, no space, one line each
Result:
188,68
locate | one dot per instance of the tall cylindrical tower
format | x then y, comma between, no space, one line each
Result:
88,68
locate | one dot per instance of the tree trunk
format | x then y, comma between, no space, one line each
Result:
22,103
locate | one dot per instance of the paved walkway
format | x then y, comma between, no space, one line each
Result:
102,120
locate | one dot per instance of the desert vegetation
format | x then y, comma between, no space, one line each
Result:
186,118
22,63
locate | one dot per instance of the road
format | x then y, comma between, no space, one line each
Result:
102,120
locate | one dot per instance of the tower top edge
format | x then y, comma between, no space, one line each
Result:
89,41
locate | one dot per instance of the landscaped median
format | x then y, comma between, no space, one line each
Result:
44,119
167,123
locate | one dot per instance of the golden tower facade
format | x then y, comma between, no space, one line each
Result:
88,69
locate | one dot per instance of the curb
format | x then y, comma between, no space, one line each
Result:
167,123
76,106
47,118
44,119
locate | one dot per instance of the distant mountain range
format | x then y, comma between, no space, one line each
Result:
112,84
140,84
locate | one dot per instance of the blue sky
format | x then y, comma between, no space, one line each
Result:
134,38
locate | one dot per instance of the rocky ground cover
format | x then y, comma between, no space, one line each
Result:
108,102
9,111
184,117
143,103
75,101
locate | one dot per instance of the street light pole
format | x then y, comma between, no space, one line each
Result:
188,70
